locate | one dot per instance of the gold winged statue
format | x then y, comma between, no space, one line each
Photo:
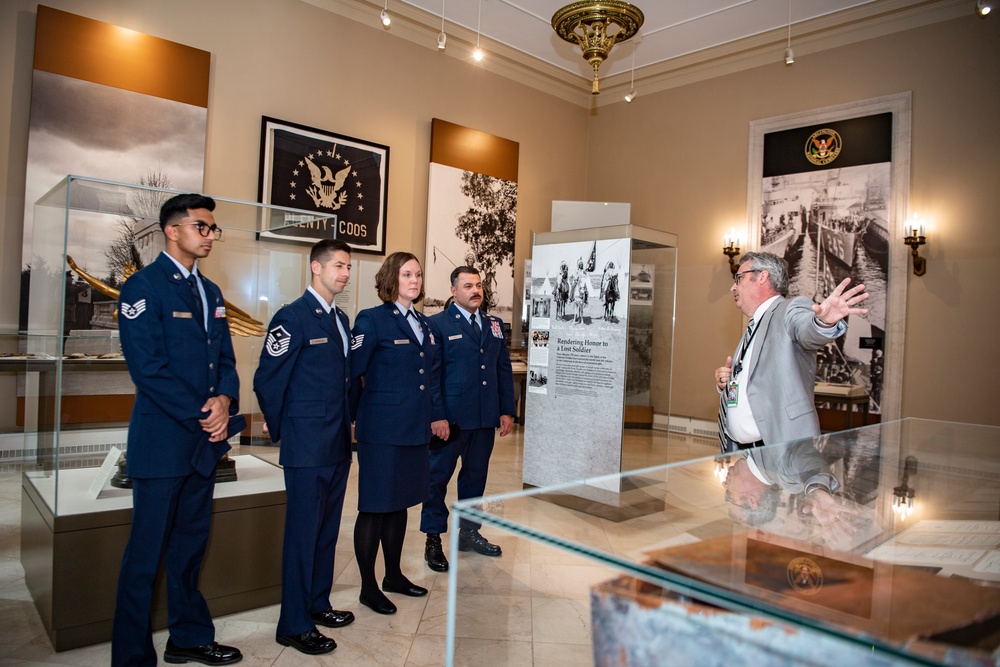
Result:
240,323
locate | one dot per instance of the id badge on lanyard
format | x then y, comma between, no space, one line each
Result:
732,394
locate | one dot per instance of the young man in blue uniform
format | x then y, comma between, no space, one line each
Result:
303,386
176,341
478,389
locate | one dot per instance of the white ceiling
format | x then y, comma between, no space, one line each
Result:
672,28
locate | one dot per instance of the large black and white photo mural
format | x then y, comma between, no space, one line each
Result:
825,208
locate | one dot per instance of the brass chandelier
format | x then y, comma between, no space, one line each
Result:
589,23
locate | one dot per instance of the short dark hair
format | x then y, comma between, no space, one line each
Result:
460,270
776,267
323,250
387,278
178,206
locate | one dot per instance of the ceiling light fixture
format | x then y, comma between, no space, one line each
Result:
631,94
477,55
588,24
442,38
384,15
983,7
789,55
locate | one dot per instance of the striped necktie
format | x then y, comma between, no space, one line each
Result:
723,419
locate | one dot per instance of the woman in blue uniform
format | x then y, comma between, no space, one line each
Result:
400,408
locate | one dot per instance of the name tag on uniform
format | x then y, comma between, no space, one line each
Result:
402,341
455,337
186,316
318,341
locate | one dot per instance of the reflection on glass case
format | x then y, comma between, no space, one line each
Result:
879,545
74,397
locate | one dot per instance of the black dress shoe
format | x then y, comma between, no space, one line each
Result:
310,643
434,554
332,618
209,654
407,588
469,539
383,606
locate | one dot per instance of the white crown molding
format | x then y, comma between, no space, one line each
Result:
868,21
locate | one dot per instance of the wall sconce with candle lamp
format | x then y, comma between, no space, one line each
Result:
731,249
902,495
914,237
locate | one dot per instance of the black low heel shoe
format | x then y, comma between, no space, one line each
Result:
409,588
383,606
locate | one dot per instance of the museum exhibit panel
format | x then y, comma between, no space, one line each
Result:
873,546
75,396
600,345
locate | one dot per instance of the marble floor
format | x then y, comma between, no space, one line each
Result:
528,607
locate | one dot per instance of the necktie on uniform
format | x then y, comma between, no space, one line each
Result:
340,330
418,330
193,282
476,330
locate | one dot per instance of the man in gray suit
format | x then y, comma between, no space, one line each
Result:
767,386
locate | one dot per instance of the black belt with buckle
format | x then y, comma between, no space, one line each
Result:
739,446
750,445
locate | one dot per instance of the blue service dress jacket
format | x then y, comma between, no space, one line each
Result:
176,366
303,384
401,395
478,384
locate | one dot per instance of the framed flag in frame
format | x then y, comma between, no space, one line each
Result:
319,172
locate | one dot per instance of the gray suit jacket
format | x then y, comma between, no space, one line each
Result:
782,374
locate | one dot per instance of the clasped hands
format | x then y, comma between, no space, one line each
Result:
216,424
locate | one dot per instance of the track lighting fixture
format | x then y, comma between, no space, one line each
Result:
789,54
631,94
983,7
442,38
384,15
477,55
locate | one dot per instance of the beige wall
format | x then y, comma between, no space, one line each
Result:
679,156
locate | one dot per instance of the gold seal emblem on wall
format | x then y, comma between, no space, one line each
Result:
805,576
823,146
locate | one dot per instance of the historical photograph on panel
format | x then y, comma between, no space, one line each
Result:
93,130
583,281
825,210
639,362
471,222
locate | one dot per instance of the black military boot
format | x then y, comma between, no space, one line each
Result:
434,554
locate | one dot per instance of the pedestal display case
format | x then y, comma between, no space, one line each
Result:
599,350
75,395
873,546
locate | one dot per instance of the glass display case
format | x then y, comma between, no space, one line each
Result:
74,395
600,348
873,546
